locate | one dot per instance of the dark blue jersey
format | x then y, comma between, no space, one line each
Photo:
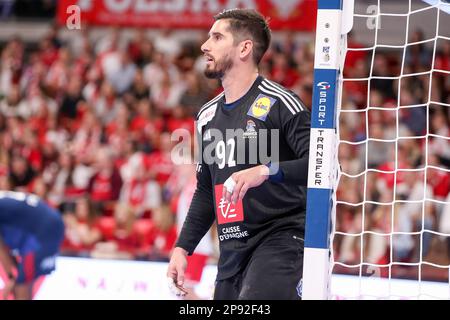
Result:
32,231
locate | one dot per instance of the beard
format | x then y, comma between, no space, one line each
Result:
219,68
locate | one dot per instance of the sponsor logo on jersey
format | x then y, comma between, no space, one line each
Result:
206,116
209,113
226,211
250,131
233,232
261,106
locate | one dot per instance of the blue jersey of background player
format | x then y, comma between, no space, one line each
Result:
30,237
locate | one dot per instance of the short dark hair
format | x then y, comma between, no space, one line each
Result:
248,23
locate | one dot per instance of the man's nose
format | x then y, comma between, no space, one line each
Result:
205,46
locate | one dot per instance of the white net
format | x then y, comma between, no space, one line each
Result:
392,217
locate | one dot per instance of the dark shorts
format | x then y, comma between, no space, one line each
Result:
274,272
35,264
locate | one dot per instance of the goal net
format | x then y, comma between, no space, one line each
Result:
386,177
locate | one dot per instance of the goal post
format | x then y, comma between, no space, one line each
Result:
334,20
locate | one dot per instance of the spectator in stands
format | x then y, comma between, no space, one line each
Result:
381,69
379,223
14,105
58,75
88,136
166,43
134,47
194,95
140,191
356,91
145,126
147,51
70,105
117,131
110,42
122,78
167,93
378,151
354,56
11,65
417,54
122,239
163,234
159,162
409,219
63,188
21,173
414,116
106,104
104,186
439,126
82,229
282,70
155,71
139,89
48,52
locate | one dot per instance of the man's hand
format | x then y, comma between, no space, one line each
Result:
9,287
175,271
244,180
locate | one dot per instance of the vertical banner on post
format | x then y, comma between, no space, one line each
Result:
322,156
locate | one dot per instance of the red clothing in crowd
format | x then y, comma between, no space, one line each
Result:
49,56
286,77
161,164
71,241
105,187
440,181
187,124
162,241
133,241
353,56
389,178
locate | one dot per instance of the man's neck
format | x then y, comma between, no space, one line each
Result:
236,84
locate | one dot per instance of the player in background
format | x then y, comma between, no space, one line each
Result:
30,237
257,198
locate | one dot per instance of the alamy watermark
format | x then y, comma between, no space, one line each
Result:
235,147
73,21
373,22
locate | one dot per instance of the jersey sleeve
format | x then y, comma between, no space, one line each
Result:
200,215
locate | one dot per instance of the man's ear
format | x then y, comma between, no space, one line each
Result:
246,49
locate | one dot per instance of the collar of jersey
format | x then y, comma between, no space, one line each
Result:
229,107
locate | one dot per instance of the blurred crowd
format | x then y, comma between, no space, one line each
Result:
86,124
396,129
